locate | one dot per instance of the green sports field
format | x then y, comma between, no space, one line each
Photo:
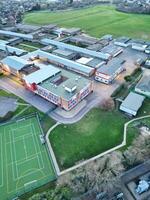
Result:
24,161
96,21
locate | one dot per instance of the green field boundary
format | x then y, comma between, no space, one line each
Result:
39,182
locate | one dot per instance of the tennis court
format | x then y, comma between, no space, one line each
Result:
24,162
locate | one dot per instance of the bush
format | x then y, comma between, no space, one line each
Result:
128,78
7,116
117,91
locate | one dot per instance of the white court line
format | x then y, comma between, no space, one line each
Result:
37,142
36,149
7,161
22,127
11,155
20,138
35,156
2,162
23,161
14,150
24,144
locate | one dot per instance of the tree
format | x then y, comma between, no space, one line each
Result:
107,104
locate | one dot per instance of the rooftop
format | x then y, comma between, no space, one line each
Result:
123,39
144,83
3,42
42,74
133,101
27,27
84,39
14,34
65,53
111,49
60,60
71,80
14,62
65,46
111,67
12,50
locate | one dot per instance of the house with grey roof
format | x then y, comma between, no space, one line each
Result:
143,86
132,103
108,72
147,50
112,50
122,41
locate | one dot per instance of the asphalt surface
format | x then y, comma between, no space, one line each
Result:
19,90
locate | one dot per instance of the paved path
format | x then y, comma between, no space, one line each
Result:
51,150
59,173
92,101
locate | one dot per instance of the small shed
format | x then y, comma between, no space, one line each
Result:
132,103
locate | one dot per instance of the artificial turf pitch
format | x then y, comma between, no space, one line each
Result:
24,161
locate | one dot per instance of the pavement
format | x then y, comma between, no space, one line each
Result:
41,104
11,105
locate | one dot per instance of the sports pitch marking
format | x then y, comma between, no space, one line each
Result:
23,158
2,165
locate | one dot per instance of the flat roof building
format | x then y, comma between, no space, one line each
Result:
108,72
147,50
132,103
84,51
122,41
14,34
91,62
12,50
95,47
84,40
112,50
65,53
48,28
61,62
66,31
139,46
3,42
27,28
143,86
13,64
58,86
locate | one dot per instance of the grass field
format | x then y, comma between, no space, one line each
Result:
96,21
25,163
97,132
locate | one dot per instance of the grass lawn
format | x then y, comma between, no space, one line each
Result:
25,163
97,132
96,21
